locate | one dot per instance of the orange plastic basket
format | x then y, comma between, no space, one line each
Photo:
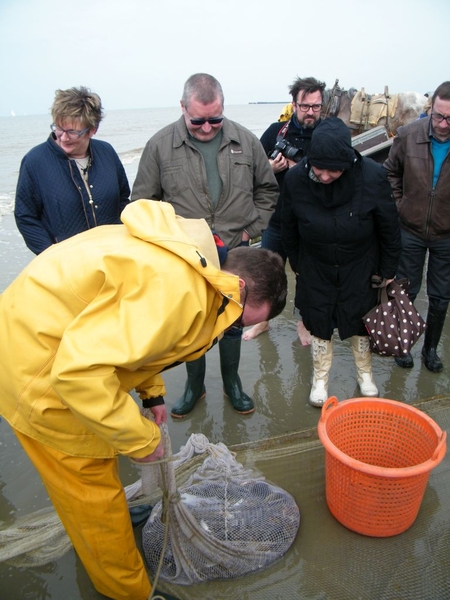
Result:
378,457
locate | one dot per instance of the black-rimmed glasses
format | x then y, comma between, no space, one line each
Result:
73,134
305,107
439,118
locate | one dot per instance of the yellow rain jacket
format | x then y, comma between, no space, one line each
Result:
103,313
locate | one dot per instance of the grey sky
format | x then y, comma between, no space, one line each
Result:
138,53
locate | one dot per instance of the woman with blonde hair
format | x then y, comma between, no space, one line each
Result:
71,182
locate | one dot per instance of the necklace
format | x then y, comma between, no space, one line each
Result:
83,165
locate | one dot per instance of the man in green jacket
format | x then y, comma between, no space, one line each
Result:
209,167
100,314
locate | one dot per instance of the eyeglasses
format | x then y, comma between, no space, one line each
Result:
238,324
199,122
73,134
305,107
212,121
439,118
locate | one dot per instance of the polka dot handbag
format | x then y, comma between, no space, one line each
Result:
394,325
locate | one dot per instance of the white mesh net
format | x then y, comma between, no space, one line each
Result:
226,521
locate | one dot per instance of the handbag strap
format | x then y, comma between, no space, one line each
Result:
388,290
380,283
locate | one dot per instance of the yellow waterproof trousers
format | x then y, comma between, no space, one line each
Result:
91,503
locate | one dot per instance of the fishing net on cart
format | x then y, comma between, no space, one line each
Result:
224,522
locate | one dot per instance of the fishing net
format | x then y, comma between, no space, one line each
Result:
225,521
409,566
34,540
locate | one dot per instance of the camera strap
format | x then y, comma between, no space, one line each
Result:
283,131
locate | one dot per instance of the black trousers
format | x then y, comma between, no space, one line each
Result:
413,259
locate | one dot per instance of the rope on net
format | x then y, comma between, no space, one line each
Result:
224,522
39,538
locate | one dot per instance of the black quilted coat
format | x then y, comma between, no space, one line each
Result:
338,235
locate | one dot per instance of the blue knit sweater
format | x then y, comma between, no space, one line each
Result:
52,202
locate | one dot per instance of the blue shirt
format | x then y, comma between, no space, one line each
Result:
439,150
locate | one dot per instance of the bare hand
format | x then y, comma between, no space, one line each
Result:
160,413
245,237
290,163
279,164
157,455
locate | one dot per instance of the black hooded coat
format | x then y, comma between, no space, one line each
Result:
338,235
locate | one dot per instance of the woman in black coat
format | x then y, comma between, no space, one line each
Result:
340,227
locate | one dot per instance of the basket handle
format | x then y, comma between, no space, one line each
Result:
329,404
437,454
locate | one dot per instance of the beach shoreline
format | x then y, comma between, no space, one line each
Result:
14,255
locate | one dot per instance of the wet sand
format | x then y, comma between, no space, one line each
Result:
275,371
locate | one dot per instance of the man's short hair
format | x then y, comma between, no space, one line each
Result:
77,103
204,88
264,273
307,85
443,91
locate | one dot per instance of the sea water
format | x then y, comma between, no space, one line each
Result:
126,130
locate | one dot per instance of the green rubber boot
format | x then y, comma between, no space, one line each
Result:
194,389
230,354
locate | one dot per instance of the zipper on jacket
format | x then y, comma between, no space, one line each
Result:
91,200
433,190
205,184
430,206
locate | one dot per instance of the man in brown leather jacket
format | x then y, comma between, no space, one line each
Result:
418,167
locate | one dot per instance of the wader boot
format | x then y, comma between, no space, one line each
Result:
194,389
363,362
230,354
433,332
405,362
322,355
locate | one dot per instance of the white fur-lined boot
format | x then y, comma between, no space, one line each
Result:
363,362
322,355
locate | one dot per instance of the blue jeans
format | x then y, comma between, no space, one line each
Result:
271,240
412,262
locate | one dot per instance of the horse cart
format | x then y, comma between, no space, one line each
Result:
374,142
373,119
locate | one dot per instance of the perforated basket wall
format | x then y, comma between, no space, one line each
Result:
379,455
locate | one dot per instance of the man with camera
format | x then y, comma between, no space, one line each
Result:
285,145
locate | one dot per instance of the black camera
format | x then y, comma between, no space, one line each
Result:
287,150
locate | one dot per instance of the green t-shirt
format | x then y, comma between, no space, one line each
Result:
209,151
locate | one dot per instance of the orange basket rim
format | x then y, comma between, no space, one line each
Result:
332,405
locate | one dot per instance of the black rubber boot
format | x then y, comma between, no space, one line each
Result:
230,354
433,332
194,389
139,514
406,362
